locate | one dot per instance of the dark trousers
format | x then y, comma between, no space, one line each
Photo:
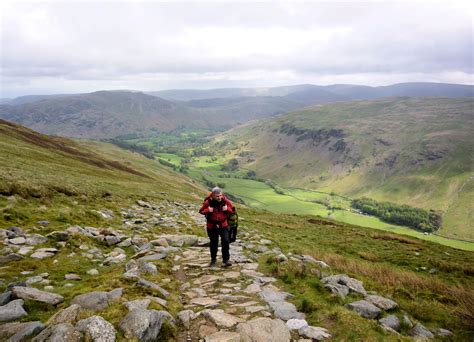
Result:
214,234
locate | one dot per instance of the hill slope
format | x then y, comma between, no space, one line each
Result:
70,228
407,150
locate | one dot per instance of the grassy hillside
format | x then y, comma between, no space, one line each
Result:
72,183
71,178
416,151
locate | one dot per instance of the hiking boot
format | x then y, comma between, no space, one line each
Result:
226,263
212,263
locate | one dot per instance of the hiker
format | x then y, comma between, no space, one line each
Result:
216,208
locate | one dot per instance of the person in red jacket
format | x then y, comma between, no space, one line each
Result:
216,208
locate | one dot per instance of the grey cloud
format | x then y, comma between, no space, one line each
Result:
130,42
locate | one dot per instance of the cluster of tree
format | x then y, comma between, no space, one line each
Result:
275,187
210,184
133,147
232,165
183,168
420,219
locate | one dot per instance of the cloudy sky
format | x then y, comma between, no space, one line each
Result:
54,47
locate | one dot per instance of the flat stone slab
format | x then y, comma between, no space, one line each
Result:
364,309
31,293
221,318
270,295
205,301
231,275
208,278
264,329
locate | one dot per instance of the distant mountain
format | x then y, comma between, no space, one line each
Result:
30,98
416,151
337,91
106,114
101,114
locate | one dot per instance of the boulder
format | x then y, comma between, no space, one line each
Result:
17,241
338,289
44,253
343,279
96,301
96,329
67,315
381,302
27,330
64,332
390,321
37,295
185,317
12,311
364,309
111,240
5,297
59,235
180,240
143,325
314,333
6,259
153,287
72,276
137,304
36,239
295,324
263,330
443,332
310,259
419,331
285,310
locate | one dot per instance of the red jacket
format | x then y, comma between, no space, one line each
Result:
218,217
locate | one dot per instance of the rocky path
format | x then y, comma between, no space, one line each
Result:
160,273
236,303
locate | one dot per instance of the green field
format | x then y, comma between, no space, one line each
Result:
259,195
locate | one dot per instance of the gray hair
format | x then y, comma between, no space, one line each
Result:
216,190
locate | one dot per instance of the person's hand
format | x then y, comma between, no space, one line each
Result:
211,209
224,208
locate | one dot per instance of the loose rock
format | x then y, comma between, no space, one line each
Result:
37,295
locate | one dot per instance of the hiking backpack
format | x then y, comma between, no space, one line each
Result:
233,220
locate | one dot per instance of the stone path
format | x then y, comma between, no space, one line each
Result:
236,303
